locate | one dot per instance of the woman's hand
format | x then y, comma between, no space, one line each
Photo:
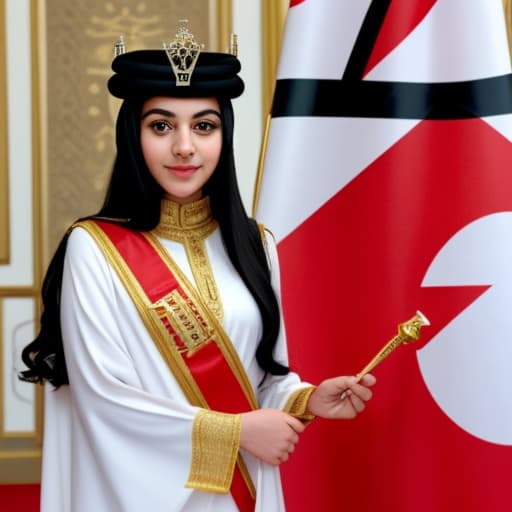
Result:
270,434
341,397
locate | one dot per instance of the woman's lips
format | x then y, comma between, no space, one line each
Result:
183,171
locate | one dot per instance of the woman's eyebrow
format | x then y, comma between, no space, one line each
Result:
206,112
159,111
168,113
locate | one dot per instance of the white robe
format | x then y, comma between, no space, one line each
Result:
118,438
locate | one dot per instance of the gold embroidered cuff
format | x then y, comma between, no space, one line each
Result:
297,404
215,444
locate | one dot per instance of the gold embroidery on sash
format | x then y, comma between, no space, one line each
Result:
184,318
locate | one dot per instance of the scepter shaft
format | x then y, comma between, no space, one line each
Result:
407,331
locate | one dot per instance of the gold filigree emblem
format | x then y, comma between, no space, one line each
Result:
183,53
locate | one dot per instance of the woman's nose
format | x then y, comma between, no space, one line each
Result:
183,145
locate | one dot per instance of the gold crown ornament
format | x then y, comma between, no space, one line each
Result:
183,53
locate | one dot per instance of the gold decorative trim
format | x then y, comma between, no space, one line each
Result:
297,404
181,221
273,18
28,454
4,158
19,291
2,391
180,313
191,224
215,444
261,163
203,275
507,7
36,18
22,434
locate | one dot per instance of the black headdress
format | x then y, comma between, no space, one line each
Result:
180,69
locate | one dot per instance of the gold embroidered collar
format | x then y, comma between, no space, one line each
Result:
190,224
180,222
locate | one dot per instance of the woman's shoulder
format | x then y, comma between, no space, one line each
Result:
84,239
81,246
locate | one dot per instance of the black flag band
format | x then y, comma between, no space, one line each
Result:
398,100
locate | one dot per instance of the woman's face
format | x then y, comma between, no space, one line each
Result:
181,141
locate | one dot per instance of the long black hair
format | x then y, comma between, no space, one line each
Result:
134,196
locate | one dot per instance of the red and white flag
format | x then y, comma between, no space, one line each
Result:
388,185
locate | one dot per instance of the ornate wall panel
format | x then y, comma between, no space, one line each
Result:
20,403
80,113
4,188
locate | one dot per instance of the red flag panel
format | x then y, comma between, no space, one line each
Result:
366,253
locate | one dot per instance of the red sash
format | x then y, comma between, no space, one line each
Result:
207,367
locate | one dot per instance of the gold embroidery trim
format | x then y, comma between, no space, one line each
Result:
190,224
203,275
297,404
215,444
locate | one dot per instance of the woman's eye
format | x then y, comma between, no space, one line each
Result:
205,126
160,126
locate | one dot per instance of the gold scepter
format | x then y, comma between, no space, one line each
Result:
407,332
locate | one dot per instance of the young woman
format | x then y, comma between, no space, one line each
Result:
161,334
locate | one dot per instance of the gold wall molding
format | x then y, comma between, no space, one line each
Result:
19,291
507,7
273,18
221,24
4,160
